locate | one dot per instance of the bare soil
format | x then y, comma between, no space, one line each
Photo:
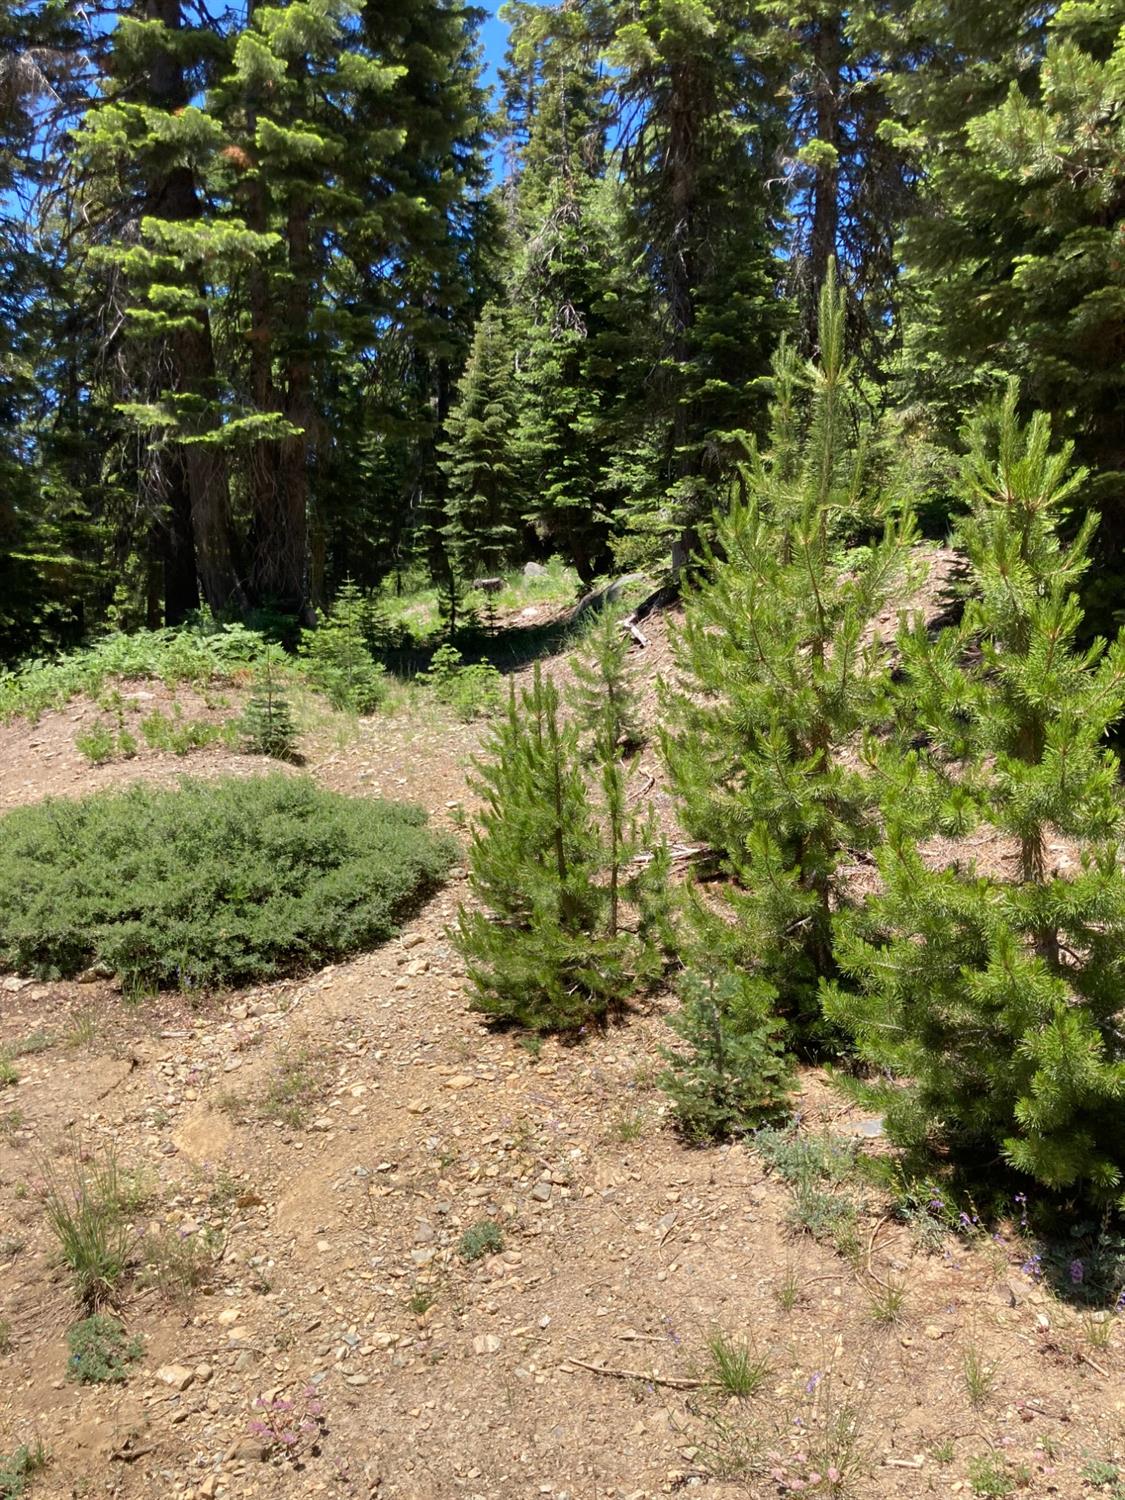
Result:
339,1307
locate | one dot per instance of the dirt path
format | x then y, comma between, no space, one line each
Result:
341,1309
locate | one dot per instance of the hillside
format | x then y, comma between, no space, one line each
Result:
318,1150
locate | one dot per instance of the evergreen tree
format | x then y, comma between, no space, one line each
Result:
338,659
605,698
267,724
1015,265
483,533
546,947
697,85
780,669
565,226
850,184
991,1001
144,149
731,1072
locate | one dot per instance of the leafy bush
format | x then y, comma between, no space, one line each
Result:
101,1351
179,735
101,743
471,691
186,654
215,883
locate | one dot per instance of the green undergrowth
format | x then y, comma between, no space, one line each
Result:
17,1468
216,883
183,655
412,602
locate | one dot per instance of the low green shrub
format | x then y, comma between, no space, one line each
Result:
101,1351
215,883
472,691
481,1239
17,1468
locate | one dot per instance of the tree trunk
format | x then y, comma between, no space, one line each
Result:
181,582
827,50
172,195
289,556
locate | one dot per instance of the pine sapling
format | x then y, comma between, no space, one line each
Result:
780,670
267,724
990,999
551,869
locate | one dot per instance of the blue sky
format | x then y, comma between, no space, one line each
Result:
494,35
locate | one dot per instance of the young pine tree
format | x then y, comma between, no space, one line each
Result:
780,669
483,504
337,657
605,695
547,947
267,724
991,1001
732,1072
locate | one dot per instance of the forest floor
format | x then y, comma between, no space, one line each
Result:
574,1362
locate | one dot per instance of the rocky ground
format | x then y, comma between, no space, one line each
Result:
326,1145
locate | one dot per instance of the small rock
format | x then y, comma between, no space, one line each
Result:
460,1081
417,966
179,1377
486,1343
412,939
250,1448
541,1192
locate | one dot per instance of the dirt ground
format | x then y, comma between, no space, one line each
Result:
570,1364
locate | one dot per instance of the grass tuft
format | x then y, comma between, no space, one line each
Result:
733,1366
85,1215
17,1468
978,1375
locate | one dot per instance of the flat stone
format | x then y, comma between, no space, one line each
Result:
486,1343
460,1081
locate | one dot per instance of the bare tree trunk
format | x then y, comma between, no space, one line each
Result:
181,582
286,559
